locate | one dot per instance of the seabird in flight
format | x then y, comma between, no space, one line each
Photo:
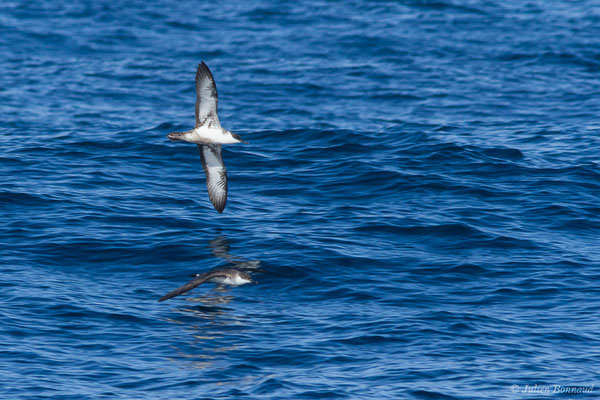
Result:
209,136
221,276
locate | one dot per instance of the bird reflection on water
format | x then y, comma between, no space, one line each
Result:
207,317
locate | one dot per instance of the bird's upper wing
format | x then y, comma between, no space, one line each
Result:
220,247
216,174
192,284
207,98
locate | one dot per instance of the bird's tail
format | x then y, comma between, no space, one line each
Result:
175,136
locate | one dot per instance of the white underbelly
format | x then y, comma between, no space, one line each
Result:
219,280
211,136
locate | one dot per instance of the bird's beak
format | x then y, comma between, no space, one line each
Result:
253,281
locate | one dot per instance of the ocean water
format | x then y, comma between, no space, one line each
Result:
422,186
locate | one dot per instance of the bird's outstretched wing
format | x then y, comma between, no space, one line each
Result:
216,174
199,280
207,98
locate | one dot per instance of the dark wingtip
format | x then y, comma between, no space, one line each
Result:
203,66
220,207
166,297
169,295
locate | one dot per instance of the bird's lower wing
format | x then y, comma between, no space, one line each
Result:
216,174
189,286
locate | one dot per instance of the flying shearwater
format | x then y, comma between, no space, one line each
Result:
222,276
209,136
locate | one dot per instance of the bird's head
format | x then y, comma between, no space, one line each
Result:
238,138
247,278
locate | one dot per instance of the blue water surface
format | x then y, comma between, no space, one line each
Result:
422,183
